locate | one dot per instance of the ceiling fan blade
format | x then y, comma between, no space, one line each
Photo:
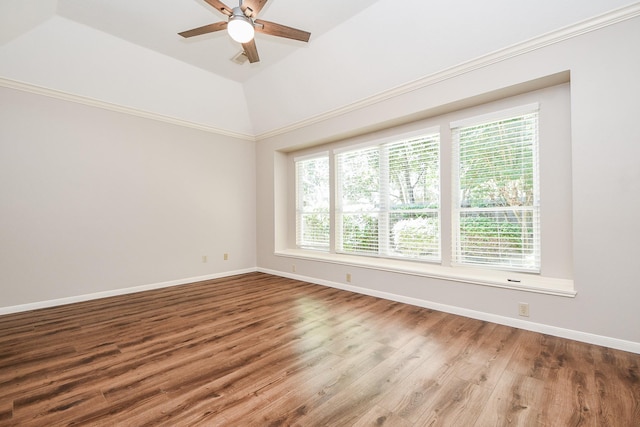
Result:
251,8
251,51
223,8
278,30
211,28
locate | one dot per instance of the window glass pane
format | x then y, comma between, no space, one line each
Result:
389,199
360,178
312,212
497,205
314,229
415,235
414,173
360,233
498,237
414,198
359,184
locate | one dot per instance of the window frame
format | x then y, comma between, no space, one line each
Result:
299,203
458,259
385,210
556,273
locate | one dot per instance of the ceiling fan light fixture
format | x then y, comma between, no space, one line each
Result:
240,28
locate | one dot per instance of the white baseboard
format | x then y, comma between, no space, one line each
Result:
116,292
619,344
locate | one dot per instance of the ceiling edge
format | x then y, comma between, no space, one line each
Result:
548,39
66,96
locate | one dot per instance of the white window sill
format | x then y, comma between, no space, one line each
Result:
500,279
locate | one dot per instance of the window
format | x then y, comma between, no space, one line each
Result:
496,203
312,203
487,188
388,199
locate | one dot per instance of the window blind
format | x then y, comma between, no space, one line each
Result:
496,200
389,199
312,203
358,213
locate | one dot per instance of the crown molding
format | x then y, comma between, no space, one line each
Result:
548,39
92,102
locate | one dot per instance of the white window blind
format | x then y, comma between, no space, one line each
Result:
388,200
312,203
496,201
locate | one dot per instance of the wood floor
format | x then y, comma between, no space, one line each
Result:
261,350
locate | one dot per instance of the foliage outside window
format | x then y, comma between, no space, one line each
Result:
312,203
496,203
388,201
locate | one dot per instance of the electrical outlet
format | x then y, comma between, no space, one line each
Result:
348,277
226,257
204,258
523,309
293,268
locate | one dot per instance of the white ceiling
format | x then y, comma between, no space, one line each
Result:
154,24
128,53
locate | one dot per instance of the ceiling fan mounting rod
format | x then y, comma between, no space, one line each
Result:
237,13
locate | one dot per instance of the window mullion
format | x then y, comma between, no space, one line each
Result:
337,200
447,197
383,215
333,200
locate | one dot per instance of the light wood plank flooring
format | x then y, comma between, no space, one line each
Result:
261,350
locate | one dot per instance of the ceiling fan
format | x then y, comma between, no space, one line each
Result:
242,24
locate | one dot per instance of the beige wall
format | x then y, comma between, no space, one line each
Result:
93,201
